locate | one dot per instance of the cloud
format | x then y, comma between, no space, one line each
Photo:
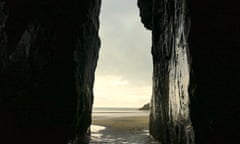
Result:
119,82
124,69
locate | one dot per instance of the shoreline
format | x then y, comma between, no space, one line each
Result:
123,123
118,130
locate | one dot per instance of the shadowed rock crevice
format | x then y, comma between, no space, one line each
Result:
214,43
49,52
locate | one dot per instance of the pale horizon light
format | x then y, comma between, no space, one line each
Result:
124,73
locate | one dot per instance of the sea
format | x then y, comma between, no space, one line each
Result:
106,112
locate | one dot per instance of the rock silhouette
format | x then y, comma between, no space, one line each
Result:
49,52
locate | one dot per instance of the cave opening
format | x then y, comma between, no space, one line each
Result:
123,78
49,52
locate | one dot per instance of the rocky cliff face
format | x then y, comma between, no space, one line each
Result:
170,114
49,51
48,55
213,41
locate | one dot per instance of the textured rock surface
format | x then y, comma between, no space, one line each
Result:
48,55
213,40
170,114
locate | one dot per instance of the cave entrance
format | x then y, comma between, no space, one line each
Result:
123,79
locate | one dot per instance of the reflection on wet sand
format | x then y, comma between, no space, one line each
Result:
121,129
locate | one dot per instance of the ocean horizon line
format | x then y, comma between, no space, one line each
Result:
115,107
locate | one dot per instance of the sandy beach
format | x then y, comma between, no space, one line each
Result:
124,129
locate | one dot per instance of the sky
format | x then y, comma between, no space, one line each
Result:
123,76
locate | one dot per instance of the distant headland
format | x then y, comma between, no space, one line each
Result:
145,107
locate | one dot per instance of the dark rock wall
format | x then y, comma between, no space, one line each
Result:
214,73
48,55
170,114
146,12
214,44
49,51
86,56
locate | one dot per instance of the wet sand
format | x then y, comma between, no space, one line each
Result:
121,130
124,123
